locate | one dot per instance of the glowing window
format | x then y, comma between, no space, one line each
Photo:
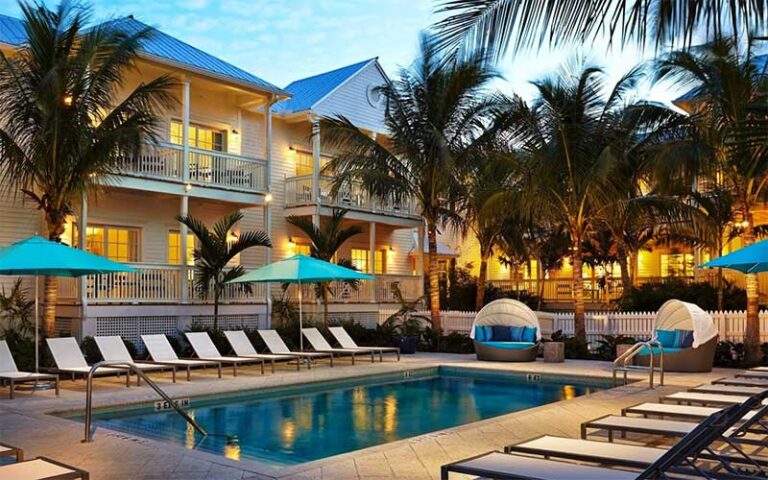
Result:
199,137
360,259
677,265
174,248
380,262
302,249
116,243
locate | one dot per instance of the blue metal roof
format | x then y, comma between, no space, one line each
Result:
162,47
308,91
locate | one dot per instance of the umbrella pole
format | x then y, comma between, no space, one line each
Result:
301,322
37,322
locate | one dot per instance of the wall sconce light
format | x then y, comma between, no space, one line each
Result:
267,198
291,242
391,249
67,100
292,149
232,237
187,187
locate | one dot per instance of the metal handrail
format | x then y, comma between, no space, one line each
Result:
139,373
625,358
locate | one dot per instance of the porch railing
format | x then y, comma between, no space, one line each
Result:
165,161
378,290
299,191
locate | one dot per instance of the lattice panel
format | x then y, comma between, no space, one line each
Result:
132,328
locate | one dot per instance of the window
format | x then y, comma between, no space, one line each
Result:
360,259
380,262
677,265
174,248
302,249
199,137
305,162
116,243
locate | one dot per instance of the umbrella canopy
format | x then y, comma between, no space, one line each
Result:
300,269
38,256
751,259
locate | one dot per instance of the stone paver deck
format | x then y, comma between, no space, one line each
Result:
24,422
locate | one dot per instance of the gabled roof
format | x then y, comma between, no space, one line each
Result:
308,92
159,47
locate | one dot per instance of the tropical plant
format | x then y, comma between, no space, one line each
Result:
66,118
727,102
493,25
436,117
16,311
217,248
406,320
326,240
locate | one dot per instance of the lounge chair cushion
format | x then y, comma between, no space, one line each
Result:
501,333
666,338
509,345
483,333
675,338
657,351
529,335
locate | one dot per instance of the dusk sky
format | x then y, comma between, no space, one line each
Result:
281,41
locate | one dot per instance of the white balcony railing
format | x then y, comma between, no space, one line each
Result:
299,191
219,169
377,290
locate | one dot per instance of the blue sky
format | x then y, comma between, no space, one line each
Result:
283,40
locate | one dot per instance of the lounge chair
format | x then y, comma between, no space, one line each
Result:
113,350
11,451
162,352
682,455
243,347
745,382
729,389
341,336
69,359
41,468
11,374
506,330
753,374
276,345
320,344
713,399
205,350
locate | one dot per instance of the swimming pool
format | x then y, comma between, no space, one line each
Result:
302,423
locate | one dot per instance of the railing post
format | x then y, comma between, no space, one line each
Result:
185,130
183,232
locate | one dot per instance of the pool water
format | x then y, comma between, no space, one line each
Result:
304,423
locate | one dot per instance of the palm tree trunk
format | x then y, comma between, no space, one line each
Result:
55,225
580,329
482,277
540,274
720,288
752,331
626,277
632,268
434,283
325,305
215,308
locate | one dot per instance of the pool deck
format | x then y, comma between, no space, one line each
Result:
24,422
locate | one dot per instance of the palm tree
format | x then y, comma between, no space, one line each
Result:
564,136
492,25
63,127
435,117
217,248
728,115
326,240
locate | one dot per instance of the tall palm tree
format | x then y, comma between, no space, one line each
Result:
326,240
727,102
435,118
566,173
217,248
494,25
63,127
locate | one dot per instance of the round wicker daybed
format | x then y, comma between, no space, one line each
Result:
688,336
506,330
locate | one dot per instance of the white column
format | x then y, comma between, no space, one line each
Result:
267,206
372,257
185,129
184,211
82,238
420,256
316,169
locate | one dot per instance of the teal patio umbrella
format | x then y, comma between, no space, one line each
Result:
300,269
751,259
37,256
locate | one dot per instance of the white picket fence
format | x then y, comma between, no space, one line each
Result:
730,324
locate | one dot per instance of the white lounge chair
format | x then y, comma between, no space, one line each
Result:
10,373
162,352
745,382
276,345
69,359
113,349
714,399
11,451
662,410
346,341
729,389
243,347
41,468
205,350
753,374
320,344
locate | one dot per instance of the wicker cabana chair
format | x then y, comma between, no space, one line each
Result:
506,330
688,335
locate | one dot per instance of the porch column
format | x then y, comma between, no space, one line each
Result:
184,283
316,169
420,257
82,239
267,200
372,257
185,129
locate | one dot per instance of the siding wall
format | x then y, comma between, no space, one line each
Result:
351,100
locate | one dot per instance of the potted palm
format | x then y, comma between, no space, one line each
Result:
406,323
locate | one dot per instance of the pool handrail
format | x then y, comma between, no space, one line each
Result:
139,373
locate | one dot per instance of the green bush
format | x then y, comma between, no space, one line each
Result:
90,350
650,296
607,346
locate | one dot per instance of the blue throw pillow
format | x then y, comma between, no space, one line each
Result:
666,338
529,335
482,333
501,333
516,333
683,339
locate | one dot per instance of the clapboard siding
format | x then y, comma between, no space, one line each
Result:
351,100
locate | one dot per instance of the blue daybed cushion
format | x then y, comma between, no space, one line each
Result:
529,334
644,351
501,333
483,333
509,345
675,338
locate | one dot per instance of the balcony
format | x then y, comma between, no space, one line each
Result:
299,192
152,284
165,161
378,290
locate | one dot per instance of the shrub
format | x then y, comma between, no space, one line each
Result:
607,346
730,355
574,349
650,296
90,350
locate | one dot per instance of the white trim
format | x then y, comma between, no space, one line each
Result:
346,80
